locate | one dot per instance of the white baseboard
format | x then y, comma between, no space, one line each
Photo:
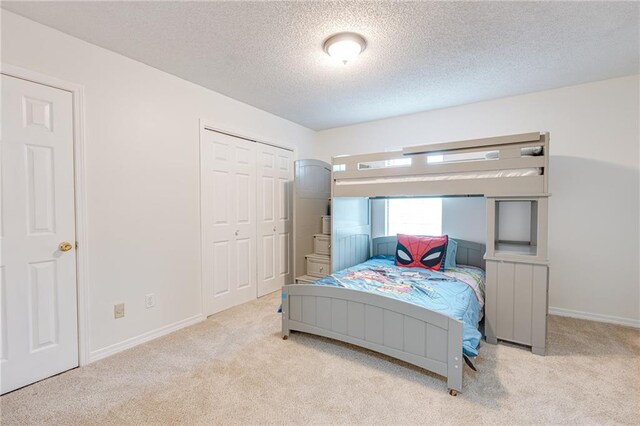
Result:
144,337
629,322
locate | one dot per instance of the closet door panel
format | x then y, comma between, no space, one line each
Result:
268,194
268,257
221,261
228,221
217,175
283,255
244,253
267,249
245,273
284,225
275,176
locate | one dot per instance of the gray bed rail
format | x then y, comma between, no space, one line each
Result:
402,330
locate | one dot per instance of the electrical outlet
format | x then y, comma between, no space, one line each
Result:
118,310
149,300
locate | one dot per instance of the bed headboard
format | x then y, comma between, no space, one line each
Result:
469,253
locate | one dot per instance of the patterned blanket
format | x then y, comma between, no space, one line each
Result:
458,292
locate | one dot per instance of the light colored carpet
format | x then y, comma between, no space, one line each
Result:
235,368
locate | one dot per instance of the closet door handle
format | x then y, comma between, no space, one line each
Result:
237,232
274,229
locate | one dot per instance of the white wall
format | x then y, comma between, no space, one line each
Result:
378,218
594,217
465,218
142,163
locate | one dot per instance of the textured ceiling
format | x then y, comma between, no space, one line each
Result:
420,55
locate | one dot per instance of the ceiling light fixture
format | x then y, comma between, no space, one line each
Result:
345,46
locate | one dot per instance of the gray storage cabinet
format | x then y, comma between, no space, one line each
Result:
517,280
516,304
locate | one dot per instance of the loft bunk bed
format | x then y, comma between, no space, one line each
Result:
503,165
504,170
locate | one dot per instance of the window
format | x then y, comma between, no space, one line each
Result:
417,216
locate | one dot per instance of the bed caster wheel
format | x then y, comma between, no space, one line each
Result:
285,337
453,392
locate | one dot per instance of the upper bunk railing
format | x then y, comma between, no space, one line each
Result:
504,165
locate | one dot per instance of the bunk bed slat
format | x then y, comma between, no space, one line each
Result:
473,143
424,168
487,186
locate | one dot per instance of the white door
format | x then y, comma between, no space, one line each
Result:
228,203
275,181
38,273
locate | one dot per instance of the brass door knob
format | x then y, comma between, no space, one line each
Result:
65,246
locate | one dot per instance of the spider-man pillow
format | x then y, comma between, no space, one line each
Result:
421,251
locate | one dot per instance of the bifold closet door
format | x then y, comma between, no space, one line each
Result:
275,225
228,204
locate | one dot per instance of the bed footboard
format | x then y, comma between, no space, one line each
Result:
405,331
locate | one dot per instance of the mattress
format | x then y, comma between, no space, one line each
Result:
457,292
508,173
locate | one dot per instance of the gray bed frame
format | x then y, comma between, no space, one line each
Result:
402,330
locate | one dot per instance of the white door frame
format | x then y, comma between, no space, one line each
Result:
82,252
206,125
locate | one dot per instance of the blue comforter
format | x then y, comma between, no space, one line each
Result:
457,293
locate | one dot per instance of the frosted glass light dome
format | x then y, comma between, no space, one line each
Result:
345,46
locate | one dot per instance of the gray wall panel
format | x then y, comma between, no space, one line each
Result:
540,303
505,300
356,319
295,308
415,336
373,323
309,309
436,343
393,334
323,312
523,286
339,316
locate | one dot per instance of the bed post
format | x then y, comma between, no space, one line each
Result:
454,357
285,312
